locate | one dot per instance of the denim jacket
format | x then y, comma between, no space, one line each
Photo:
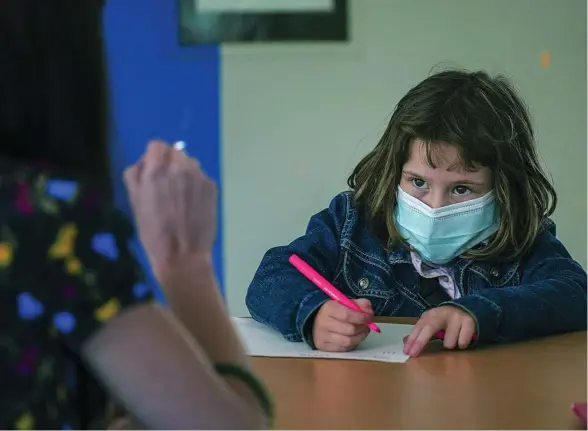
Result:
543,293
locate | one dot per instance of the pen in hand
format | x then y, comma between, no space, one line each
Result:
320,282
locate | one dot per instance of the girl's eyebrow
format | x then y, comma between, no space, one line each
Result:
459,182
414,174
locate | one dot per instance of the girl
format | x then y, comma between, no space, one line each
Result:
446,220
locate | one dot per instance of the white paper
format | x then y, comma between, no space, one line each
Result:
259,340
264,6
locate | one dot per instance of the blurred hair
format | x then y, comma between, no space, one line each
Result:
53,103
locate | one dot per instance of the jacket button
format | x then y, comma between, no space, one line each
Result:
364,283
494,272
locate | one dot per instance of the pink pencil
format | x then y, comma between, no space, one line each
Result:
327,287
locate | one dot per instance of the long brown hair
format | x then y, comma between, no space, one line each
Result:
490,125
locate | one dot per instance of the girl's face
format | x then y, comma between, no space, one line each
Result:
448,183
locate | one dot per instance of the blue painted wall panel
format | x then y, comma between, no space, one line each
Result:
160,89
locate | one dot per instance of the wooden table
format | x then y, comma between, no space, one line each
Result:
529,385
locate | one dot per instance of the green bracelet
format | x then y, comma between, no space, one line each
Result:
254,384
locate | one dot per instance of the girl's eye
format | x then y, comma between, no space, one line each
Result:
419,184
462,191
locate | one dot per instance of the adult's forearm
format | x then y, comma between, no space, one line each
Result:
194,297
149,362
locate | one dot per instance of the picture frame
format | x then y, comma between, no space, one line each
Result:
262,21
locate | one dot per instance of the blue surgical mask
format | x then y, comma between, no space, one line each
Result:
439,235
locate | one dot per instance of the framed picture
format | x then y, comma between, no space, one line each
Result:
263,21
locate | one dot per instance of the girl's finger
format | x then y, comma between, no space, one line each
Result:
451,334
409,341
345,328
466,334
425,335
345,342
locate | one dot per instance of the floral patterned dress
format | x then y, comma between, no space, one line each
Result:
66,268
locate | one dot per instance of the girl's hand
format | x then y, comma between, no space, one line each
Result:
458,325
340,329
174,203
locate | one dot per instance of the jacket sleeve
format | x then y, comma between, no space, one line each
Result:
280,296
551,298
